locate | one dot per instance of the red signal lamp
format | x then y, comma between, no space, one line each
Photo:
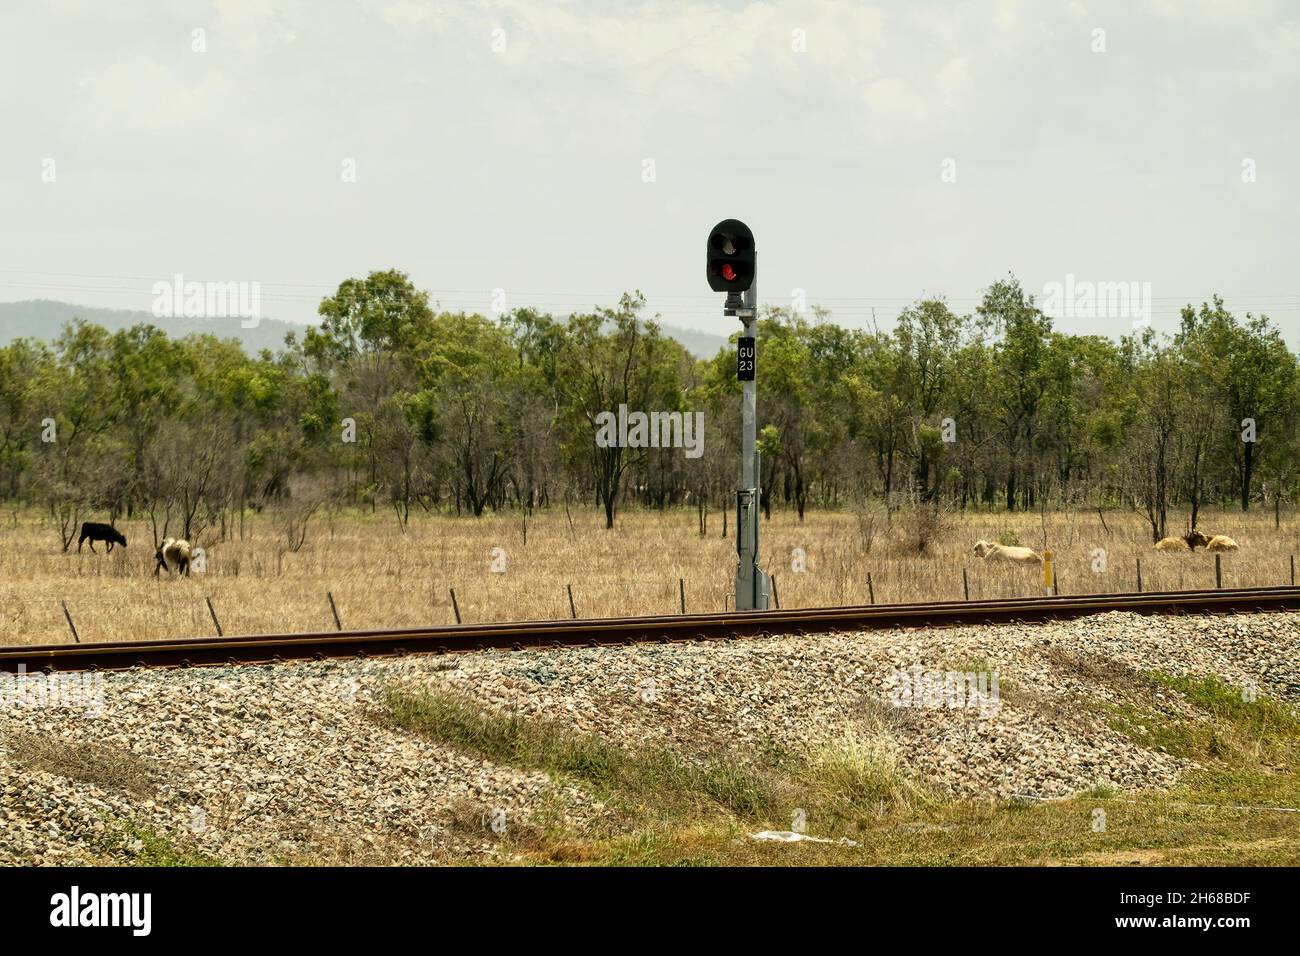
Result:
730,265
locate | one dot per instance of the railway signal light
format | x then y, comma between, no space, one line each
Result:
730,263
731,266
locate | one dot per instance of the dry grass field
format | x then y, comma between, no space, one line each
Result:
382,576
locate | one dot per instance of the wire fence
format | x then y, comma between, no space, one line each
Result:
220,609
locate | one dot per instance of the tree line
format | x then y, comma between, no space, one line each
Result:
391,404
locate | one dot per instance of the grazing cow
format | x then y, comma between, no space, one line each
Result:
97,531
1221,542
1173,544
992,551
175,552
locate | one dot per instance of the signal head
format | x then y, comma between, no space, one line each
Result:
731,260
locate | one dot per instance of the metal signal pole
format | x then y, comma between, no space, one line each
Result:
733,268
753,586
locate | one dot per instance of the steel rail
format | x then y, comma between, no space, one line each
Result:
594,632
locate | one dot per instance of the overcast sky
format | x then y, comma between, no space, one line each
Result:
508,145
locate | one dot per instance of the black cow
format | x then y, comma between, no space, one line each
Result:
97,531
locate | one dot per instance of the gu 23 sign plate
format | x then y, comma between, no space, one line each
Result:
745,359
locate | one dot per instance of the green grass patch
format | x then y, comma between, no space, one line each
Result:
1158,731
854,774
1144,829
645,778
853,784
1231,728
1260,716
155,849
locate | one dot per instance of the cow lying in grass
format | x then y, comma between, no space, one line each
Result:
1218,542
992,551
97,531
1188,542
174,553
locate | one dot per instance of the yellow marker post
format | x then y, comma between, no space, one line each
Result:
1049,578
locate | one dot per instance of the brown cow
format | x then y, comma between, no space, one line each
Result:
1221,542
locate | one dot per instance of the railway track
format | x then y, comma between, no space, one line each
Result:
525,635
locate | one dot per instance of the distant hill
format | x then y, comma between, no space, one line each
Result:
700,344
43,319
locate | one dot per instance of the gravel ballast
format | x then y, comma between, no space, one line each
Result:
290,763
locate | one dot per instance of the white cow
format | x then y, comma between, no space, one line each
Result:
992,551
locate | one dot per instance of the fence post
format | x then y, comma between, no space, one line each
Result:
1218,570
454,606
338,625
1049,575
573,611
681,588
72,627
213,612
965,584
871,592
1293,570
1139,575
